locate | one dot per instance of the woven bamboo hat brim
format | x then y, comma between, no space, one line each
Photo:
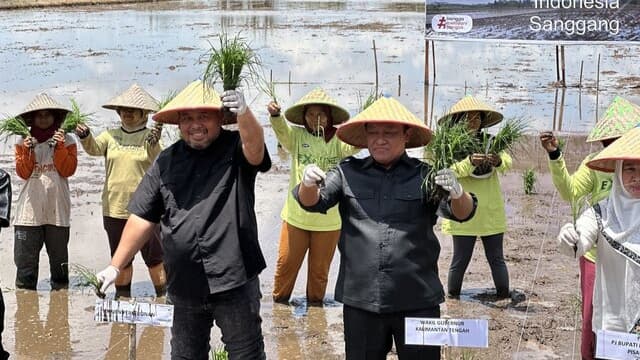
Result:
384,110
44,102
469,103
196,96
134,97
627,147
619,118
295,113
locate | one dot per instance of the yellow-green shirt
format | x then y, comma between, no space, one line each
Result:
306,148
127,158
583,182
490,217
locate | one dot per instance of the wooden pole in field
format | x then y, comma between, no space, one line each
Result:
427,120
581,67
289,82
132,341
375,60
557,64
433,53
564,80
426,62
555,108
560,115
399,84
597,87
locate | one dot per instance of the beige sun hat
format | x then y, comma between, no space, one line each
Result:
620,117
469,103
383,110
317,96
627,147
43,101
196,96
134,97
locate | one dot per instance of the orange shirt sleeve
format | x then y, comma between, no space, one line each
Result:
25,161
65,159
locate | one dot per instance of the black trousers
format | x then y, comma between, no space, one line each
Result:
26,254
3,354
462,252
369,335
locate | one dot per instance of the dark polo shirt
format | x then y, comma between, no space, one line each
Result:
204,202
388,250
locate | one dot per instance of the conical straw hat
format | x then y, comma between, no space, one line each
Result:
196,96
469,103
620,116
43,101
295,113
383,110
134,97
627,147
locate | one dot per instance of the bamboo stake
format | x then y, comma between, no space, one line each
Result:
427,120
433,54
597,87
426,62
581,67
289,82
399,84
564,82
375,60
560,116
433,99
555,108
132,341
557,64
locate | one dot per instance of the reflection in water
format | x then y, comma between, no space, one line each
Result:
150,345
38,339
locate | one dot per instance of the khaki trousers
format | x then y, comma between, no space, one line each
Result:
294,243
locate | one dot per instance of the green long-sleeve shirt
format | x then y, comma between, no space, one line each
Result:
127,158
306,148
583,182
490,217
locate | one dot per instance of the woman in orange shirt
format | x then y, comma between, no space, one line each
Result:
43,209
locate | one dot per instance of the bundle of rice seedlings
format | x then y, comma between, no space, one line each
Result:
14,125
366,102
88,278
72,120
232,62
451,142
268,88
505,139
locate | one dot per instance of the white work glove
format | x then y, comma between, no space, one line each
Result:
447,179
312,175
107,277
576,241
234,100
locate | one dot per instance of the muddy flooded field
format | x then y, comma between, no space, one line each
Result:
91,53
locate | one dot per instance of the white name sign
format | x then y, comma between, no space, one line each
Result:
133,313
452,332
617,345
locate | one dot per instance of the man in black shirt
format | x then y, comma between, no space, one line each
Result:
388,251
201,191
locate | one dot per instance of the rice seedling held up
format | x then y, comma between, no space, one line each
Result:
505,139
451,142
370,99
72,120
231,63
158,126
88,278
14,125
268,88
529,179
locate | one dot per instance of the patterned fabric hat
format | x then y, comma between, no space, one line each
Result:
295,113
134,97
44,102
620,116
383,110
627,147
468,103
196,96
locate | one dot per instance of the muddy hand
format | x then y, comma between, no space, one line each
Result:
549,141
478,159
494,160
58,137
82,131
154,134
273,108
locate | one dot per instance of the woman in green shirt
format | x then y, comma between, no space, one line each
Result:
311,140
129,150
